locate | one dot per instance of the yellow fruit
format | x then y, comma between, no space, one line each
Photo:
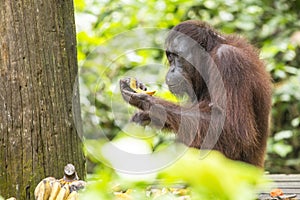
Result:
55,190
129,191
123,196
63,193
47,189
133,86
43,189
73,196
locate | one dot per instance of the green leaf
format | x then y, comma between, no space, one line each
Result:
282,149
79,5
283,135
296,122
214,177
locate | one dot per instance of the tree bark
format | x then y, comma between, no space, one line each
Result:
38,72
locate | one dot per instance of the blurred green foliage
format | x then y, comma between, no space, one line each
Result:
107,29
213,177
211,181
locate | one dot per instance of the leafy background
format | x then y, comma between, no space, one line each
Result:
272,26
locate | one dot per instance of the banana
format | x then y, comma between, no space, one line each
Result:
38,189
133,86
43,189
66,188
73,196
47,189
63,193
55,190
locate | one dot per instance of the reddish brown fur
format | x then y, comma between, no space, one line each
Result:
248,92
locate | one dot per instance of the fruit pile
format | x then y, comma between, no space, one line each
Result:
65,188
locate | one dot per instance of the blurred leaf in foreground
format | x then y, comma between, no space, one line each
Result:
215,177
207,177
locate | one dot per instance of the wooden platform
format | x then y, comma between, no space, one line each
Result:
289,184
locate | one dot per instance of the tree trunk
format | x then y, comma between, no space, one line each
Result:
38,72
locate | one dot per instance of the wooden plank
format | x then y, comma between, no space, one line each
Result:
267,197
286,191
289,184
284,177
295,185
